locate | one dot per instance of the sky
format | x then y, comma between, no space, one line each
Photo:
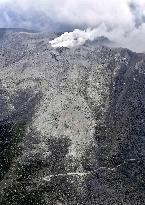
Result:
122,21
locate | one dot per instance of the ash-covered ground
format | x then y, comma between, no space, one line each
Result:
72,122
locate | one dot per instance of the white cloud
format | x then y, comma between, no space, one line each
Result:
132,39
80,12
123,19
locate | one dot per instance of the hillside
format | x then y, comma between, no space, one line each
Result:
72,123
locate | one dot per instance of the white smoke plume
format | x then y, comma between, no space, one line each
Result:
75,38
133,38
121,20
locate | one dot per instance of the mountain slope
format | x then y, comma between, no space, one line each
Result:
75,118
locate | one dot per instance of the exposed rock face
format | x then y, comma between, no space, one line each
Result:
77,120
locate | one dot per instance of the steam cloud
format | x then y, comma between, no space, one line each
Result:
122,21
133,39
75,38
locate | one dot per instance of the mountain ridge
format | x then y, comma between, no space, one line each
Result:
77,110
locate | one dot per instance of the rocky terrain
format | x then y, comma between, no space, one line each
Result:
72,123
